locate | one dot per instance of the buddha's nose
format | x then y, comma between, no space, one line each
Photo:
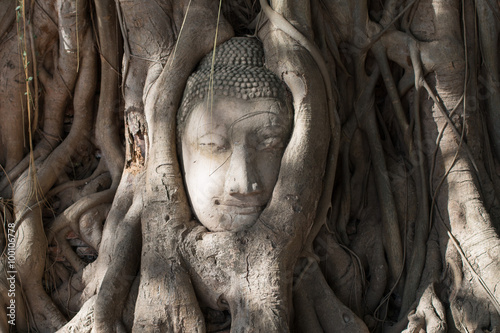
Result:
242,177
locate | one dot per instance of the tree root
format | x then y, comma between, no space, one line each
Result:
83,321
417,258
91,225
68,289
101,169
14,173
429,316
391,235
94,273
298,12
322,309
461,208
473,312
30,236
165,203
67,252
107,132
347,278
489,31
120,274
72,216
308,320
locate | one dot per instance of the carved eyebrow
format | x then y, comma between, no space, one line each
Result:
209,128
272,130
250,115
212,135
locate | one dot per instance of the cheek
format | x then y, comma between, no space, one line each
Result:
269,167
203,183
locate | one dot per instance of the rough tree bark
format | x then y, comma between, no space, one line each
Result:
385,216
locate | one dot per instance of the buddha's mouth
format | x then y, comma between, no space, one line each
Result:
239,208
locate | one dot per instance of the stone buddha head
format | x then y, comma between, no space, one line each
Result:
234,124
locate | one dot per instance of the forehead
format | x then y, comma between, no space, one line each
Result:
229,111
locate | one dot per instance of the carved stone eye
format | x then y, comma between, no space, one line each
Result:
213,143
270,143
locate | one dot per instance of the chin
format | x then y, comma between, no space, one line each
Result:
232,223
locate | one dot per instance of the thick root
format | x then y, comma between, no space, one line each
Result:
83,321
429,316
470,306
346,279
325,310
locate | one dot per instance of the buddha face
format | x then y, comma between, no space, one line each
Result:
231,153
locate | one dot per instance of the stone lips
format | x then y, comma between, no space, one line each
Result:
238,72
